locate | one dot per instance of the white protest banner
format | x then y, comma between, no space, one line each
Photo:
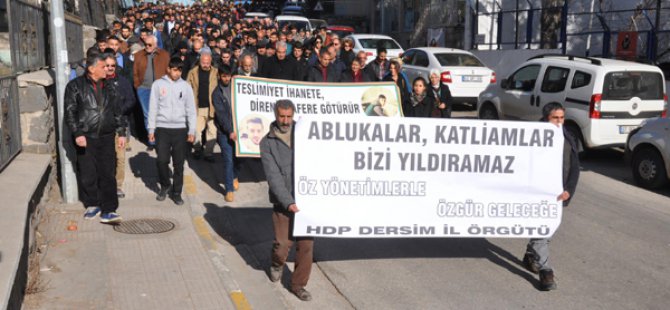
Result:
425,177
254,99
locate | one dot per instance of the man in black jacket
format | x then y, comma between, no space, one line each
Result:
537,250
298,55
323,71
93,117
279,66
226,136
125,101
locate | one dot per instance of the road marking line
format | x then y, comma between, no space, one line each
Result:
201,228
240,300
189,185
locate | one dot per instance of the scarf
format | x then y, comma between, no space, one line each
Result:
417,98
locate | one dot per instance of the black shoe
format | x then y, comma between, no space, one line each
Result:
275,273
150,148
197,154
530,263
302,294
547,282
177,199
162,193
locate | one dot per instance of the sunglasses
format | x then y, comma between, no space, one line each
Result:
150,45
110,66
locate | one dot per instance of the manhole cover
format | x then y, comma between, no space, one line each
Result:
144,226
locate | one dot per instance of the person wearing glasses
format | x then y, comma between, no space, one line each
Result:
125,101
150,64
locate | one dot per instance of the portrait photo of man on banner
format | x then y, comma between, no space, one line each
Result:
254,98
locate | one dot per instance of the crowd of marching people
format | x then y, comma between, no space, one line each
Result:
169,68
211,43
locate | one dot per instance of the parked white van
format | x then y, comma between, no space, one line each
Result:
299,22
604,99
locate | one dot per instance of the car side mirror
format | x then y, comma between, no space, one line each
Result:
503,83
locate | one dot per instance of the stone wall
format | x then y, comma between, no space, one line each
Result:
37,111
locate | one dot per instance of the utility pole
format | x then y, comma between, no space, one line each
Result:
60,64
381,10
654,53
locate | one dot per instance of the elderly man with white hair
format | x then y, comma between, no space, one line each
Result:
151,64
204,79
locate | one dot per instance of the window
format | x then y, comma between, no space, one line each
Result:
5,38
408,57
625,85
420,59
374,43
581,79
524,78
458,60
555,79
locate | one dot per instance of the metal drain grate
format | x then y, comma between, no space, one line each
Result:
144,226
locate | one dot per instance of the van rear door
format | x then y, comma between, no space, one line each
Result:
628,97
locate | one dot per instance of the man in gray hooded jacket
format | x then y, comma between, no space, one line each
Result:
277,157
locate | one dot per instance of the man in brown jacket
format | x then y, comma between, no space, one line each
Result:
203,80
151,64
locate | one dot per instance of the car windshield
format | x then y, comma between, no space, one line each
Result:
341,33
375,43
628,84
298,24
458,60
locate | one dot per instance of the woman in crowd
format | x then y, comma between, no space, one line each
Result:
419,103
442,95
395,74
354,74
347,54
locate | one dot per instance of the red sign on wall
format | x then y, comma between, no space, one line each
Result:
626,45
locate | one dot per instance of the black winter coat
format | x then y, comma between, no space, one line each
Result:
286,69
423,109
570,165
223,118
348,76
443,96
85,116
314,74
126,98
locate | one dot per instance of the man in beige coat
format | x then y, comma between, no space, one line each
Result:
203,80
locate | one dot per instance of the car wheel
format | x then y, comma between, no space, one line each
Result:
488,111
648,168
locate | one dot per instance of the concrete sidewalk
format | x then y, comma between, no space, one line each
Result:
96,267
197,265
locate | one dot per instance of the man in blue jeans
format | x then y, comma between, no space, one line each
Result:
226,136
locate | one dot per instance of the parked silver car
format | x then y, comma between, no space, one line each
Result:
648,151
462,71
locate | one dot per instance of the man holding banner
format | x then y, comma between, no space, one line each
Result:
537,250
277,157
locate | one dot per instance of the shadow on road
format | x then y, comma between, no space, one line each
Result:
250,231
144,166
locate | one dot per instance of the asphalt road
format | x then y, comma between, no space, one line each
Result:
611,252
